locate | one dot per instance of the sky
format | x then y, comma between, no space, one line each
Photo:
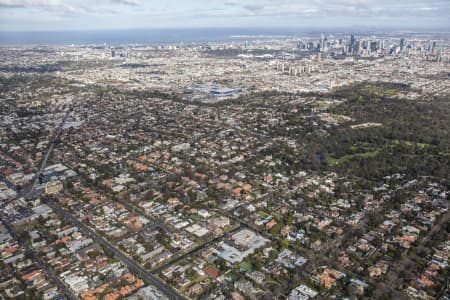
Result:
52,15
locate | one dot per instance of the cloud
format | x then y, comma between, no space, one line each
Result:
254,7
27,3
231,3
128,2
344,9
182,13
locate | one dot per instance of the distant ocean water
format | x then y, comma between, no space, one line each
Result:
172,36
138,36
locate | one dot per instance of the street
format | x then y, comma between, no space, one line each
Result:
132,265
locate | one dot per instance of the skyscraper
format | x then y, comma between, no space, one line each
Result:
352,40
433,47
373,46
402,44
322,42
352,44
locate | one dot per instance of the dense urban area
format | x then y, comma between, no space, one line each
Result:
267,167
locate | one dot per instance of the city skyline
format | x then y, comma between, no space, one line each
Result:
66,15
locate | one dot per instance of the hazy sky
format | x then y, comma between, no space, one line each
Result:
123,14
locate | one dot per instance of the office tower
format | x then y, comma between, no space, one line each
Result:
352,44
402,44
357,47
433,48
322,42
373,46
